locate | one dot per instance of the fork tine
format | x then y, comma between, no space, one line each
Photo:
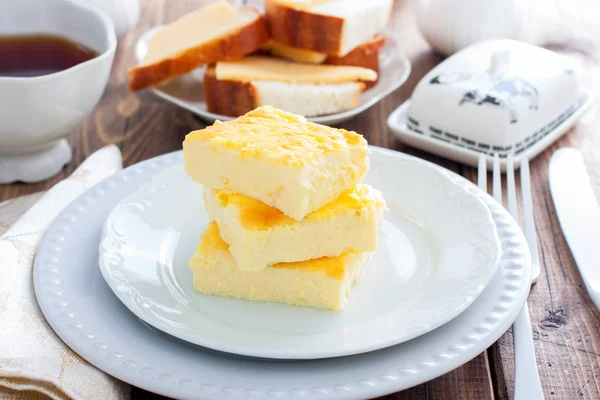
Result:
511,189
497,179
482,173
527,379
528,220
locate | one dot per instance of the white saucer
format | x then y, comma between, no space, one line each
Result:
86,314
438,250
37,165
187,91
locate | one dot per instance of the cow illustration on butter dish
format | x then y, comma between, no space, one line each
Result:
499,92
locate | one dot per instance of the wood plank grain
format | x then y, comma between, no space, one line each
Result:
471,381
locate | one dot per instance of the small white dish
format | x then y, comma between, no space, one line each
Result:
467,153
497,96
438,250
187,91
87,316
37,113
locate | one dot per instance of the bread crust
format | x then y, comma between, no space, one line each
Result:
365,55
231,98
231,47
304,29
235,98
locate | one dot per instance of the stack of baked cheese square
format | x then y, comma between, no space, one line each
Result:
292,222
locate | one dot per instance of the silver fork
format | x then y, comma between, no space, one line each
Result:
527,379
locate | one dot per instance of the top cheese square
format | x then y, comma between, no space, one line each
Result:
278,158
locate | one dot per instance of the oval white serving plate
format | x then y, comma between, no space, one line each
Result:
187,91
438,250
87,316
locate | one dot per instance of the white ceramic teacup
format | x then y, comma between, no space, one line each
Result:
37,113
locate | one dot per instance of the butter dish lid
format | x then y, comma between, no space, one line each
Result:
496,96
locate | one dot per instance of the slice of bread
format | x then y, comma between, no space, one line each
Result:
254,68
213,33
235,98
365,55
334,27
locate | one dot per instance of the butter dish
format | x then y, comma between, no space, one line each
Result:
496,96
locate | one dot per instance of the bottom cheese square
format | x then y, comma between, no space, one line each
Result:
320,283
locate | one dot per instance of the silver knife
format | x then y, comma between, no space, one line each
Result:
578,213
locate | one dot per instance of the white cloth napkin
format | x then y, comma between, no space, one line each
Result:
33,359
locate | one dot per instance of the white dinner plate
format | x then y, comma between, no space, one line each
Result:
187,91
89,318
438,250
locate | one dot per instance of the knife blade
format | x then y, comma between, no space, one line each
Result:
578,213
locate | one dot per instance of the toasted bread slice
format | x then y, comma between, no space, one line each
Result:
235,98
213,33
232,98
365,55
254,68
331,27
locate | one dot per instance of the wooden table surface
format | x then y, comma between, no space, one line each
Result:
565,323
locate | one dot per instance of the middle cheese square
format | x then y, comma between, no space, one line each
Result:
259,235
